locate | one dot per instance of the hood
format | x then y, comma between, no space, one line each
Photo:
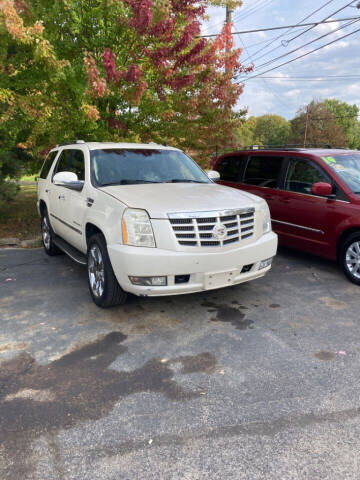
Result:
161,199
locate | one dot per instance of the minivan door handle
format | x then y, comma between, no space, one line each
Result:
286,200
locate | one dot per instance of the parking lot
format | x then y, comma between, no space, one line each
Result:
257,381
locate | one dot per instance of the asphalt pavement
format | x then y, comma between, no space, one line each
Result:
257,381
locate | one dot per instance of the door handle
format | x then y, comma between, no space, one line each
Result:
47,190
62,197
286,200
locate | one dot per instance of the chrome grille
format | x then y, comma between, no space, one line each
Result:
202,228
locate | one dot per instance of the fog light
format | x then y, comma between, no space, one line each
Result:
265,263
149,281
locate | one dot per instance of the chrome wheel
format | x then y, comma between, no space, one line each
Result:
352,259
45,231
96,271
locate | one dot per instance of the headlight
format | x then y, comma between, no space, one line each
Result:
137,229
266,218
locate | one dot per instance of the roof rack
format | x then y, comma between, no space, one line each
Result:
62,144
286,147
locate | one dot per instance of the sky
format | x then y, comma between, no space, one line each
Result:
285,97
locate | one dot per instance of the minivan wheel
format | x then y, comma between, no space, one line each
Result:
104,288
47,236
350,257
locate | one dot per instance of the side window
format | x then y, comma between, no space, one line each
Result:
263,171
77,164
63,162
47,164
301,175
230,168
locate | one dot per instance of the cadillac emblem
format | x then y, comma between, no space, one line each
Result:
219,232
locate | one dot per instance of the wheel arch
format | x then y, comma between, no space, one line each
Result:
42,206
346,233
90,230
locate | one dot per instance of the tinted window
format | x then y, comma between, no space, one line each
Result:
130,166
263,171
301,176
230,168
63,163
77,164
47,164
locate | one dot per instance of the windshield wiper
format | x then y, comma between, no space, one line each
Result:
126,182
183,180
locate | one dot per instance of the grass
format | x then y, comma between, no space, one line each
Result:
19,218
29,178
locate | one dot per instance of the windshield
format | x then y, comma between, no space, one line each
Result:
132,166
347,167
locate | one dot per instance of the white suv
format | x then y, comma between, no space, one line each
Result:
145,219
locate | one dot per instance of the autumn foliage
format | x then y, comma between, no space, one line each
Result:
133,70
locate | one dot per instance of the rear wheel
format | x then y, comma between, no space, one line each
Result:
103,286
47,236
350,257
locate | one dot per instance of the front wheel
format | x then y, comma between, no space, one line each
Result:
104,288
350,257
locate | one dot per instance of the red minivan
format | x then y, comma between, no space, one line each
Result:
313,195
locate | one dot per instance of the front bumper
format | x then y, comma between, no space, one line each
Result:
146,262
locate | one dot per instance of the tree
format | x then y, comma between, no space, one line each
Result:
29,70
245,135
272,130
133,70
346,116
316,125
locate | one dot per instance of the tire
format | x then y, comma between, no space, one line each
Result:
47,236
349,258
104,288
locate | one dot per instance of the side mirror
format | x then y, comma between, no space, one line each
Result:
322,189
68,180
213,175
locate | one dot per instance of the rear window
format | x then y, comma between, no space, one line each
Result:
230,168
263,171
47,164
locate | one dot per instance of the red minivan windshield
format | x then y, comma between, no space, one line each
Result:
347,167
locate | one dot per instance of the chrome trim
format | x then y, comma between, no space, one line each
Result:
299,226
66,224
211,213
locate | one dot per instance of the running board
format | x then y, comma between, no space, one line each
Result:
72,252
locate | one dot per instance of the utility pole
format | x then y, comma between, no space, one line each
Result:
229,13
228,20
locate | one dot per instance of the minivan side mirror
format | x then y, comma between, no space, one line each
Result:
213,175
322,189
68,180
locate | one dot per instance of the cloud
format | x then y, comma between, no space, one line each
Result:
284,97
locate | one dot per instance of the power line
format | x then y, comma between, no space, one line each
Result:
284,27
267,87
290,28
326,18
306,44
242,17
302,56
317,79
